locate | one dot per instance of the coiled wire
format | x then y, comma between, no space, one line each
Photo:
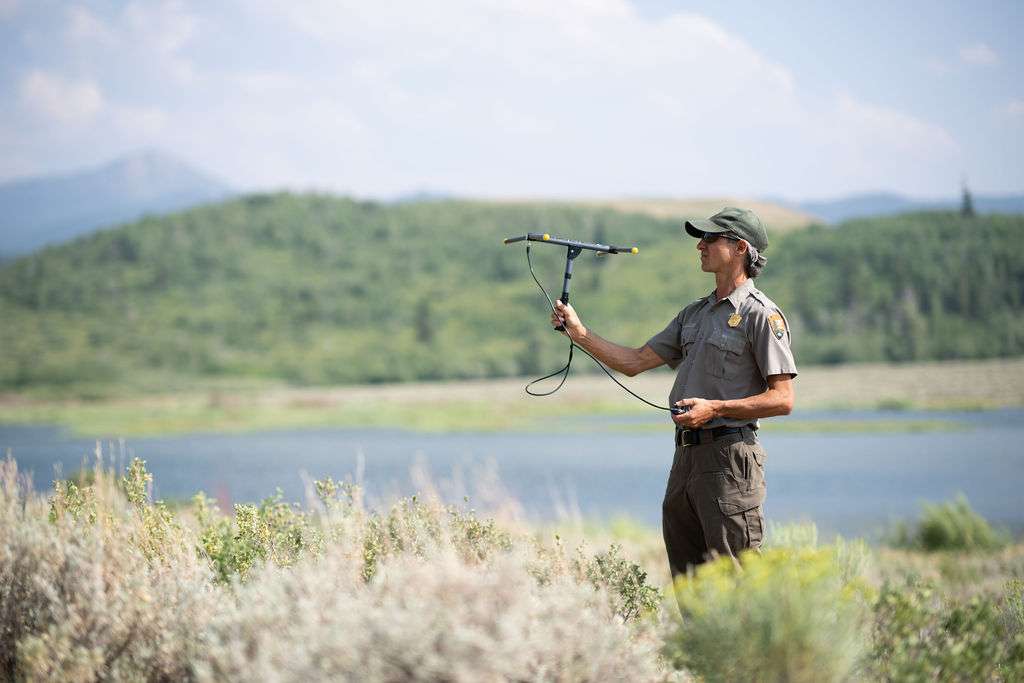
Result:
564,371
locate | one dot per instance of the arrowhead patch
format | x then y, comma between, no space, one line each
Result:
777,324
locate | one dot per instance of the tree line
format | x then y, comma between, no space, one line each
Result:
315,289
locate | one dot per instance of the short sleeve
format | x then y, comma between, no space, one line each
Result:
770,341
666,344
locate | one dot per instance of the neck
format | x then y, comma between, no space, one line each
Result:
726,283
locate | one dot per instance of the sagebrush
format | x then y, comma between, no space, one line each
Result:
100,582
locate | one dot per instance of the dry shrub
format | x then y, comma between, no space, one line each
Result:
420,619
97,582
80,600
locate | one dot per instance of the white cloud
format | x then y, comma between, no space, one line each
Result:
266,83
165,26
866,146
85,27
140,36
979,54
1014,109
139,122
568,98
479,97
892,129
60,99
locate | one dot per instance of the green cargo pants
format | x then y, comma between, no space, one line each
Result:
713,501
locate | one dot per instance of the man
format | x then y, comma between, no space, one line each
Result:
732,352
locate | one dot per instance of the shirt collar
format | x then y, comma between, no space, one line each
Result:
737,295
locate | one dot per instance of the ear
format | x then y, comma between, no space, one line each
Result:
742,247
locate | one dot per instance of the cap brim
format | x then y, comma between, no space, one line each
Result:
697,228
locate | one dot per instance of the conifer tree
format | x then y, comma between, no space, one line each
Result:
966,203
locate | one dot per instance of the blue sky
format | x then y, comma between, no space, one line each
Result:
580,98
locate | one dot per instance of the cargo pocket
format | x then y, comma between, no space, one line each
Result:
744,517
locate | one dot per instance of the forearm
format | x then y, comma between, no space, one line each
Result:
767,404
623,359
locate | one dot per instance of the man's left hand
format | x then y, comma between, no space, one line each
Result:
698,411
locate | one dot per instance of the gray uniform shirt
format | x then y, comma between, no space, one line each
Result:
726,348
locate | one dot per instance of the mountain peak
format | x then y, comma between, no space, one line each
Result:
48,209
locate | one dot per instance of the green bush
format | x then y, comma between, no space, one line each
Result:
272,531
952,525
626,583
786,615
919,635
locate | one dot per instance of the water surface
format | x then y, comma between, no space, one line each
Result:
851,483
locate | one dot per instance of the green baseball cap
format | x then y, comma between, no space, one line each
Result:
743,223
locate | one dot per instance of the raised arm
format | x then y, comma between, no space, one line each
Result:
628,361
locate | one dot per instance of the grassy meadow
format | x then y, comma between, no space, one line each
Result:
99,582
492,405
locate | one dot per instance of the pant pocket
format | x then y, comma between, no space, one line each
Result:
744,520
754,519
739,502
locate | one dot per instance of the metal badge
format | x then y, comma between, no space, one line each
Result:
734,320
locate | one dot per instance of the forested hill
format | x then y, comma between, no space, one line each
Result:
317,289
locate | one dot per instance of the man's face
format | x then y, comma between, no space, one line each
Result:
717,253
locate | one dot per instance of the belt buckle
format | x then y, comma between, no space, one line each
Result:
691,437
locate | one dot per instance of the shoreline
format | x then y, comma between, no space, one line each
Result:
501,405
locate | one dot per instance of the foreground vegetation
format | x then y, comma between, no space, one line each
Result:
321,290
98,582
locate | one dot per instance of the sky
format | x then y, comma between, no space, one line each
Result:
544,98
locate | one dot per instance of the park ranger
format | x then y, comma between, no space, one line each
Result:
731,352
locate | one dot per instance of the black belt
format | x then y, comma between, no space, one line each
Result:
692,437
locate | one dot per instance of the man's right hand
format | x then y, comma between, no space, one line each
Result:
564,314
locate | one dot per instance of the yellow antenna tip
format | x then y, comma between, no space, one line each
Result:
634,250
546,237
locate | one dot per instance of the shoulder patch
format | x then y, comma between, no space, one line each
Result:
777,324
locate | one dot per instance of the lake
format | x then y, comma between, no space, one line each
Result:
849,482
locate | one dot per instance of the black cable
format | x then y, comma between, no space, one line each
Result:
573,345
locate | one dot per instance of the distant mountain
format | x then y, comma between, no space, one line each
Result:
884,204
46,210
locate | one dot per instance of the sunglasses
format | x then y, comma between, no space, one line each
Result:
712,237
